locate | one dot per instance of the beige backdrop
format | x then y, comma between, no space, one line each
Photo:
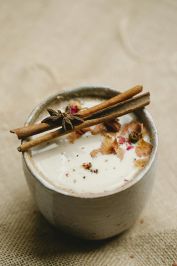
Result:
48,45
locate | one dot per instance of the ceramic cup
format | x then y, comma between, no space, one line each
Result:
91,217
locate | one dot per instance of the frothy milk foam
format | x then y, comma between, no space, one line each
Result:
60,162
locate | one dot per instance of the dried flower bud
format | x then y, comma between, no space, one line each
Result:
135,136
122,140
73,107
87,165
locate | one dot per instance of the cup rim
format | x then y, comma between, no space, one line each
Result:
27,159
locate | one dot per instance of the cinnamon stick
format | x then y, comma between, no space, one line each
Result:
121,109
31,130
112,101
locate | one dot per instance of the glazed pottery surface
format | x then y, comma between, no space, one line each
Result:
94,216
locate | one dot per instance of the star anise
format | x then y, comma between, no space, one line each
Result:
64,119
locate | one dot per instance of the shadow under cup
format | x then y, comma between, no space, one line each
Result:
97,216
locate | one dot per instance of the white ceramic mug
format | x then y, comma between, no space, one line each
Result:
91,217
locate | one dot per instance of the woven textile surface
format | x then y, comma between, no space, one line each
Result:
50,45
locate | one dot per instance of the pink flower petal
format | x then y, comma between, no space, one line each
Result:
130,148
122,140
74,109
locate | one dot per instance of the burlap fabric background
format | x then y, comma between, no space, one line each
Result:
47,45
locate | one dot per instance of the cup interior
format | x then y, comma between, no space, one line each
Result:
99,92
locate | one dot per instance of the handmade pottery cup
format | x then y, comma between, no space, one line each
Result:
91,217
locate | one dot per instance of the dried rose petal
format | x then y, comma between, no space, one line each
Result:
143,148
74,106
98,129
141,163
130,147
133,126
118,150
74,109
107,145
94,153
122,140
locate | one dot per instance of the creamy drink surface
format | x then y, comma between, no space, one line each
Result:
61,162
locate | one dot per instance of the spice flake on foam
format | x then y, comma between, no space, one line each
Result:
88,166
